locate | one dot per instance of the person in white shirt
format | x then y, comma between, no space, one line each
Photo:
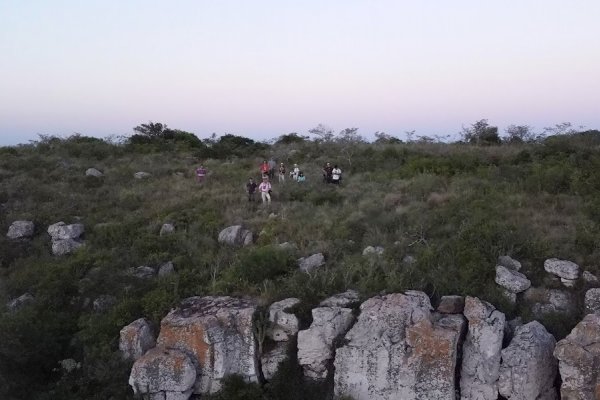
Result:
336,175
265,190
295,172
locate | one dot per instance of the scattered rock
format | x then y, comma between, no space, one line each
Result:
62,231
590,278
578,356
481,351
272,216
592,301
451,305
513,281
69,365
235,235
166,229
528,366
316,344
217,333
399,350
93,172
373,251
548,301
166,269
509,263
288,246
142,175
346,299
409,260
509,296
309,264
143,272
568,282
136,338
562,268
20,230
163,374
63,247
104,303
283,324
20,302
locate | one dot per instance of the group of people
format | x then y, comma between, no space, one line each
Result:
332,174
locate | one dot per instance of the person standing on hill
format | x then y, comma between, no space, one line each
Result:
281,173
301,177
264,168
251,189
265,190
336,175
295,172
272,167
327,171
200,174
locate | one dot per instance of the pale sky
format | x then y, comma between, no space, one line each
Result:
262,68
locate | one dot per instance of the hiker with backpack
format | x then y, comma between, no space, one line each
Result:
251,189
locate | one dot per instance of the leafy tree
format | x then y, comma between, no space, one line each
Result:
152,129
349,139
291,138
322,132
519,134
384,138
481,133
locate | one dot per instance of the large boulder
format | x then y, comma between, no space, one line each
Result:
509,263
398,349
511,280
562,268
346,299
282,324
163,374
316,344
309,264
272,357
20,230
528,366
65,246
136,338
481,351
62,231
578,360
235,235
451,305
592,301
217,334
166,269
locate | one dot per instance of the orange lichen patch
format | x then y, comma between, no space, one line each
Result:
189,338
429,344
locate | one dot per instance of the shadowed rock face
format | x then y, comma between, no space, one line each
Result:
399,350
578,360
217,334
136,338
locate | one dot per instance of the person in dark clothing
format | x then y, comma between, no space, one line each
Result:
327,172
251,189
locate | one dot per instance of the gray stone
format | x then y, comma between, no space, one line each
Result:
166,229
511,280
136,339
20,230
578,356
163,374
316,344
568,282
346,299
235,235
528,366
309,264
398,349
62,247
93,172
373,251
142,175
62,231
510,296
592,301
481,351
272,358
509,263
550,301
510,327
451,305
562,268
590,278
20,302
409,260
218,335
288,246
69,365
166,269
143,272
282,324
104,303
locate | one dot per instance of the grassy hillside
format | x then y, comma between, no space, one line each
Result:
453,208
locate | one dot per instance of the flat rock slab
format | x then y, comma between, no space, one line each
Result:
511,280
562,268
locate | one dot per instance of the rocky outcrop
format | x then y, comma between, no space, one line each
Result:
398,349
509,263
65,238
481,351
578,356
562,268
163,374
136,339
309,264
345,299
451,305
592,301
528,366
235,235
217,334
590,278
282,324
316,344
511,280
20,230
550,301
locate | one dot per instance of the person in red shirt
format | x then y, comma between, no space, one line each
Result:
264,168
200,174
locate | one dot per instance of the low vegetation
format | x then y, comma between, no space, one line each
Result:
443,212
